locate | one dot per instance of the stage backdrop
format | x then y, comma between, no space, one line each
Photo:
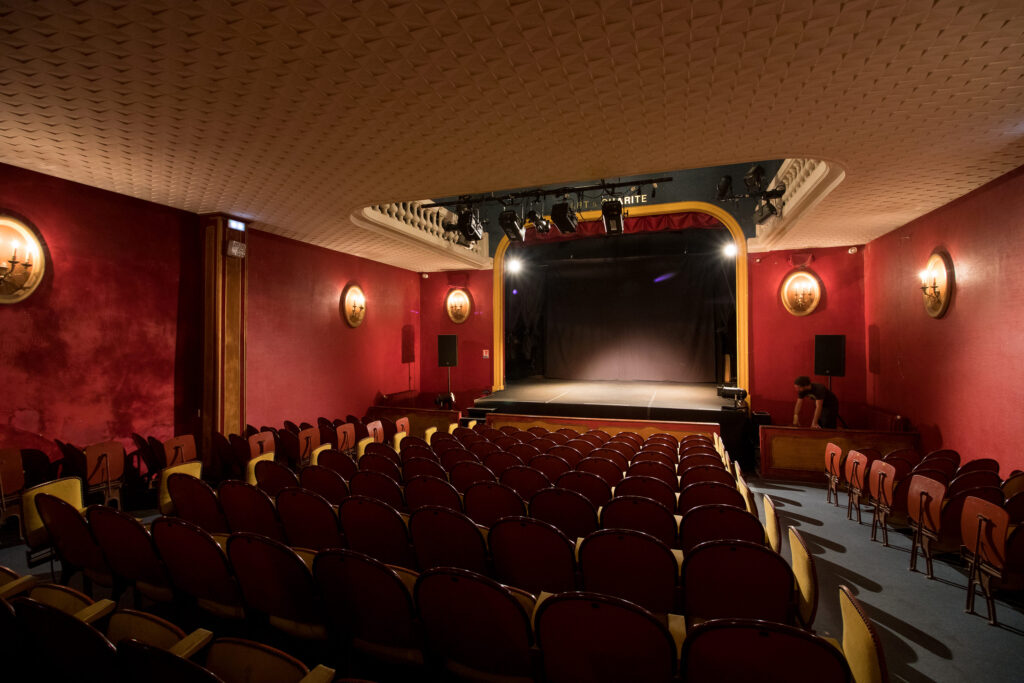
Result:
656,307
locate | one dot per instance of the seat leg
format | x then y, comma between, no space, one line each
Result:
885,528
874,523
913,548
828,488
849,505
926,550
856,504
986,587
971,569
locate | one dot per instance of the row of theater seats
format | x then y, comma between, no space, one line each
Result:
473,624
52,632
950,507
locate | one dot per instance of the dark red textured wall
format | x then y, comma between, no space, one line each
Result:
474,372
959,378
110,343
782,345
302,360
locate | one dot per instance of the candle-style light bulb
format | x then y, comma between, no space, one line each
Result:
15,256
924,277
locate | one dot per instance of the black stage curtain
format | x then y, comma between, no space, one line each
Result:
662,309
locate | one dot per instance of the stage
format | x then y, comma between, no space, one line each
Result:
660,401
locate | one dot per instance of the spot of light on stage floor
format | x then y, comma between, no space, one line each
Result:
666,276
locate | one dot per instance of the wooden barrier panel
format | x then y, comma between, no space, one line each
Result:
582,424
420,419
799,454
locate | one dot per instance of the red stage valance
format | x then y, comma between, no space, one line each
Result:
659,223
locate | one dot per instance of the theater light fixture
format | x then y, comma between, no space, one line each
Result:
468,226
540,224
564,217
22,260
512,225
730,250
611,216
513,265
937,283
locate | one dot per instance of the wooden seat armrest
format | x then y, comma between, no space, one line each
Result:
192,643
96,611
20,585
321,674
677,627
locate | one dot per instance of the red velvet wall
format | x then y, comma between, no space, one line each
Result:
782,345
474,372
959,378
303,361
110,342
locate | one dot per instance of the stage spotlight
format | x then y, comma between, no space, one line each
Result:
611,214
512,225
513,265
730,250
540,224
754,179
564,217
469,225
764,211
724,188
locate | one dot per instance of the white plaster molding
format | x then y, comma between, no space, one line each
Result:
411,222
808,181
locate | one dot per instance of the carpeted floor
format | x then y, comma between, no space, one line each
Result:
926,634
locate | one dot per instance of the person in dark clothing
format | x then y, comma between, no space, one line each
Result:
826,405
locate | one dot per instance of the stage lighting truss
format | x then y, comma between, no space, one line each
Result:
563,213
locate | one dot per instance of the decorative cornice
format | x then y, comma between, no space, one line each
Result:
808,181
410,221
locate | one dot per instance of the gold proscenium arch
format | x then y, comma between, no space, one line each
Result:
742,306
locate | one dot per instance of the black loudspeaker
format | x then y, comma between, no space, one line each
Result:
447,350
830,355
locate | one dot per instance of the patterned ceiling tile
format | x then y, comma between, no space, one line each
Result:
296,113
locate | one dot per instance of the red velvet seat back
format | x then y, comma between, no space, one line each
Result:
127,546
709,493
375,529
592,638
464,474
532,554
524,480
197,565
718,523
648,487
375,462
272,477
325,482
654,469
571,512
445,538
424,490
274,579
486,502
706,473
70,535
366,599
590,485
308,520
641,514
423,467
379,486
630,565
606,468
247,508
736,579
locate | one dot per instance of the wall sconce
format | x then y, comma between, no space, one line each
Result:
801,292
937,283
22,260
353,305
458,305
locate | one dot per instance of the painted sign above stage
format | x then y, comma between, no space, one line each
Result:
697,184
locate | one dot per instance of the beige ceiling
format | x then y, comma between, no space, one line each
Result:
297,113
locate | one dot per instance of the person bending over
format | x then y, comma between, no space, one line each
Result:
826,405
